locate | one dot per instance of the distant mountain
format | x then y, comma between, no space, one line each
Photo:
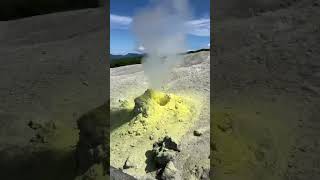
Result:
132,55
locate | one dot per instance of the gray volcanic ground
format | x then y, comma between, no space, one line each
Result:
265,90
265,117
53,69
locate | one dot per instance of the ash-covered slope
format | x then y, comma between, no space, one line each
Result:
53,70
266,94
234,9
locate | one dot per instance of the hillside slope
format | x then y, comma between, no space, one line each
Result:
266,90
53,70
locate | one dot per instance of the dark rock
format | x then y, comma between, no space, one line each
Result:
198,132
85,83
34,125
164,156
167,143
165,151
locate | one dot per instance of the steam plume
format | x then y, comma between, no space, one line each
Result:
161,29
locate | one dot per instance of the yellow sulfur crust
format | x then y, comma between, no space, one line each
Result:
152,116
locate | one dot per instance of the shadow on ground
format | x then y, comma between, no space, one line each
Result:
151,165
46,164
120,117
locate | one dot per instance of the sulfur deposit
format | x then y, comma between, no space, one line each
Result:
150,117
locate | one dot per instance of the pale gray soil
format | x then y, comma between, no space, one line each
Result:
268,63
53,68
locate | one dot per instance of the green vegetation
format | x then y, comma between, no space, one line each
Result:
125,61
199,50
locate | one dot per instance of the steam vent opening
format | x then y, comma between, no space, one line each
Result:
152,117
142,102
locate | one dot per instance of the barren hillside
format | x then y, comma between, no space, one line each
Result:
266,92
53,70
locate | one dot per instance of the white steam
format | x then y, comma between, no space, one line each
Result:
161,29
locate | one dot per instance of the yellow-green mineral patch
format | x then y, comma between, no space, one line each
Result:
251,139
150,117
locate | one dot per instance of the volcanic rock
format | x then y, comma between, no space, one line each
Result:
165,151
198,132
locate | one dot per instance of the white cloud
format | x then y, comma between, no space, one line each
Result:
209,45
199,27
119,22
141,48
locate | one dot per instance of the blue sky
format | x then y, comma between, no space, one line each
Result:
122,40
